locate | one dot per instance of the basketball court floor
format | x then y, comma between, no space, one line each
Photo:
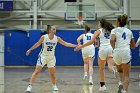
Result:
69,80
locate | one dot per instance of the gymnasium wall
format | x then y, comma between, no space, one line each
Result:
18,42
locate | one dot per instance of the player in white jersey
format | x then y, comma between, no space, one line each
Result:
87,54
121,41
46,56
138,42
105,49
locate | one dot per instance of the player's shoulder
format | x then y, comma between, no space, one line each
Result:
128,30
100,29
82,35
115,29
58,37
89,34
45,35
55,35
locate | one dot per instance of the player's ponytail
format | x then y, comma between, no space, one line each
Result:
106,25
109,26
123,20
48,28
87,29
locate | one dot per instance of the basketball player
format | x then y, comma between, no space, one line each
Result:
46,56
121,41
87,54
105,49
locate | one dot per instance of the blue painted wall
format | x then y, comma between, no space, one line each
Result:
17,43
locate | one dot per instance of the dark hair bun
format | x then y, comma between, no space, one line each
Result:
123,20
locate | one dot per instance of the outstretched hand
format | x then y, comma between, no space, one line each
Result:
78,47
28,52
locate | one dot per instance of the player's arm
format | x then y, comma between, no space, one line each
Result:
96,43
138,42
79,39
37,44
65,43
132,43
96,35
112,40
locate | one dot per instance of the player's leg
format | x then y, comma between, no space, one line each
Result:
117,57
126,77
126,64
40,63
111,66
91,60
103,53
33,77
111,63
101,64
85,68
120,78
52,72
35,73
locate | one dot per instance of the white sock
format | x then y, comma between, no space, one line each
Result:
120,83
114,69
54,85
90,78
124,91
30,84
85,74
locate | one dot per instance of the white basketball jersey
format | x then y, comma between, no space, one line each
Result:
48,46
123,37
87,37
104,38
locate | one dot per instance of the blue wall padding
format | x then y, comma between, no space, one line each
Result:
16,44
135,52
34,36
19,42
67,56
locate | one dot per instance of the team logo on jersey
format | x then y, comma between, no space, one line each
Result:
50,43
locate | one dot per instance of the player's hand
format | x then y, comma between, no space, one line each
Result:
79,44
78,47
28,52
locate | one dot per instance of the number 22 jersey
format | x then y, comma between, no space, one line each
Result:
48,46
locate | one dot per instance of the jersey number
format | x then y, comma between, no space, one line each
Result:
88,37
49,48
124,35
107,35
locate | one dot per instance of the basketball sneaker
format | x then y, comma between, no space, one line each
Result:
90,81
29,88
120,88
123,91
103,88
55,88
